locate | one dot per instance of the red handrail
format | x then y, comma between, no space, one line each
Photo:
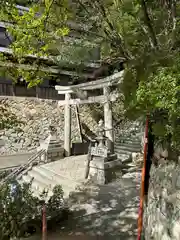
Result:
140,217
44,223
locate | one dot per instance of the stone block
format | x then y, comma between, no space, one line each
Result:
53,148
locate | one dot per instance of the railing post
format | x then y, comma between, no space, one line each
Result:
44,223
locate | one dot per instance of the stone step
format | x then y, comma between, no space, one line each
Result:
68,185
34,173
112,164
36,185
128,144
128,139
120,152
43,179
131,170
58,178
127,148
35,192
132,145
112,157
131,164
135,175
125,161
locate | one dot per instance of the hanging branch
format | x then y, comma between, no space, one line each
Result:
174,20
116,40
118,37
149,25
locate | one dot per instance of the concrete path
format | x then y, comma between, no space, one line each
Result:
109,211
104,212
7,161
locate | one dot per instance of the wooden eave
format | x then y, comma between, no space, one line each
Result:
47,65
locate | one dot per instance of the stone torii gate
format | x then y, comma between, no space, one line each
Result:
81,91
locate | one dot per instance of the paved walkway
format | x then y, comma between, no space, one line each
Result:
109,211
105,212
13,160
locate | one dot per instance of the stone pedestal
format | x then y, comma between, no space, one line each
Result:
53,147
101,160
55,150
104,170
97,170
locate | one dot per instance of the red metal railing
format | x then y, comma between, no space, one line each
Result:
44,223
140,217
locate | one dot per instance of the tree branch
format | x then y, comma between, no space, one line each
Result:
108,34
174,20
147,21
117,39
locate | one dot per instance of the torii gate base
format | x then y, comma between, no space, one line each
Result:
108,123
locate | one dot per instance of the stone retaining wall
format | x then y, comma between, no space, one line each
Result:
162,215
34,116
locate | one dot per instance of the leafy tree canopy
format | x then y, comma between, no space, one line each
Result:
145,34
142,33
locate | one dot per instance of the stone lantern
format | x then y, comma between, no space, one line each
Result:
101,138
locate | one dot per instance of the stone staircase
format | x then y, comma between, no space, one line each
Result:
43,179
127,144
64,172
67,172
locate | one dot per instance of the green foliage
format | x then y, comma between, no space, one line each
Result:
150,46
34,32
155,91
16,208
19,209
145,34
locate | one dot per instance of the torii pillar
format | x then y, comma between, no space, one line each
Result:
67,126
108,120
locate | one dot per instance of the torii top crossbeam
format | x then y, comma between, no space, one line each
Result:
98,84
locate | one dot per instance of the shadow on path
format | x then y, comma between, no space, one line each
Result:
101,212
105,212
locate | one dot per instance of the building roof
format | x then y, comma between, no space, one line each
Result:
54,65
49,64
